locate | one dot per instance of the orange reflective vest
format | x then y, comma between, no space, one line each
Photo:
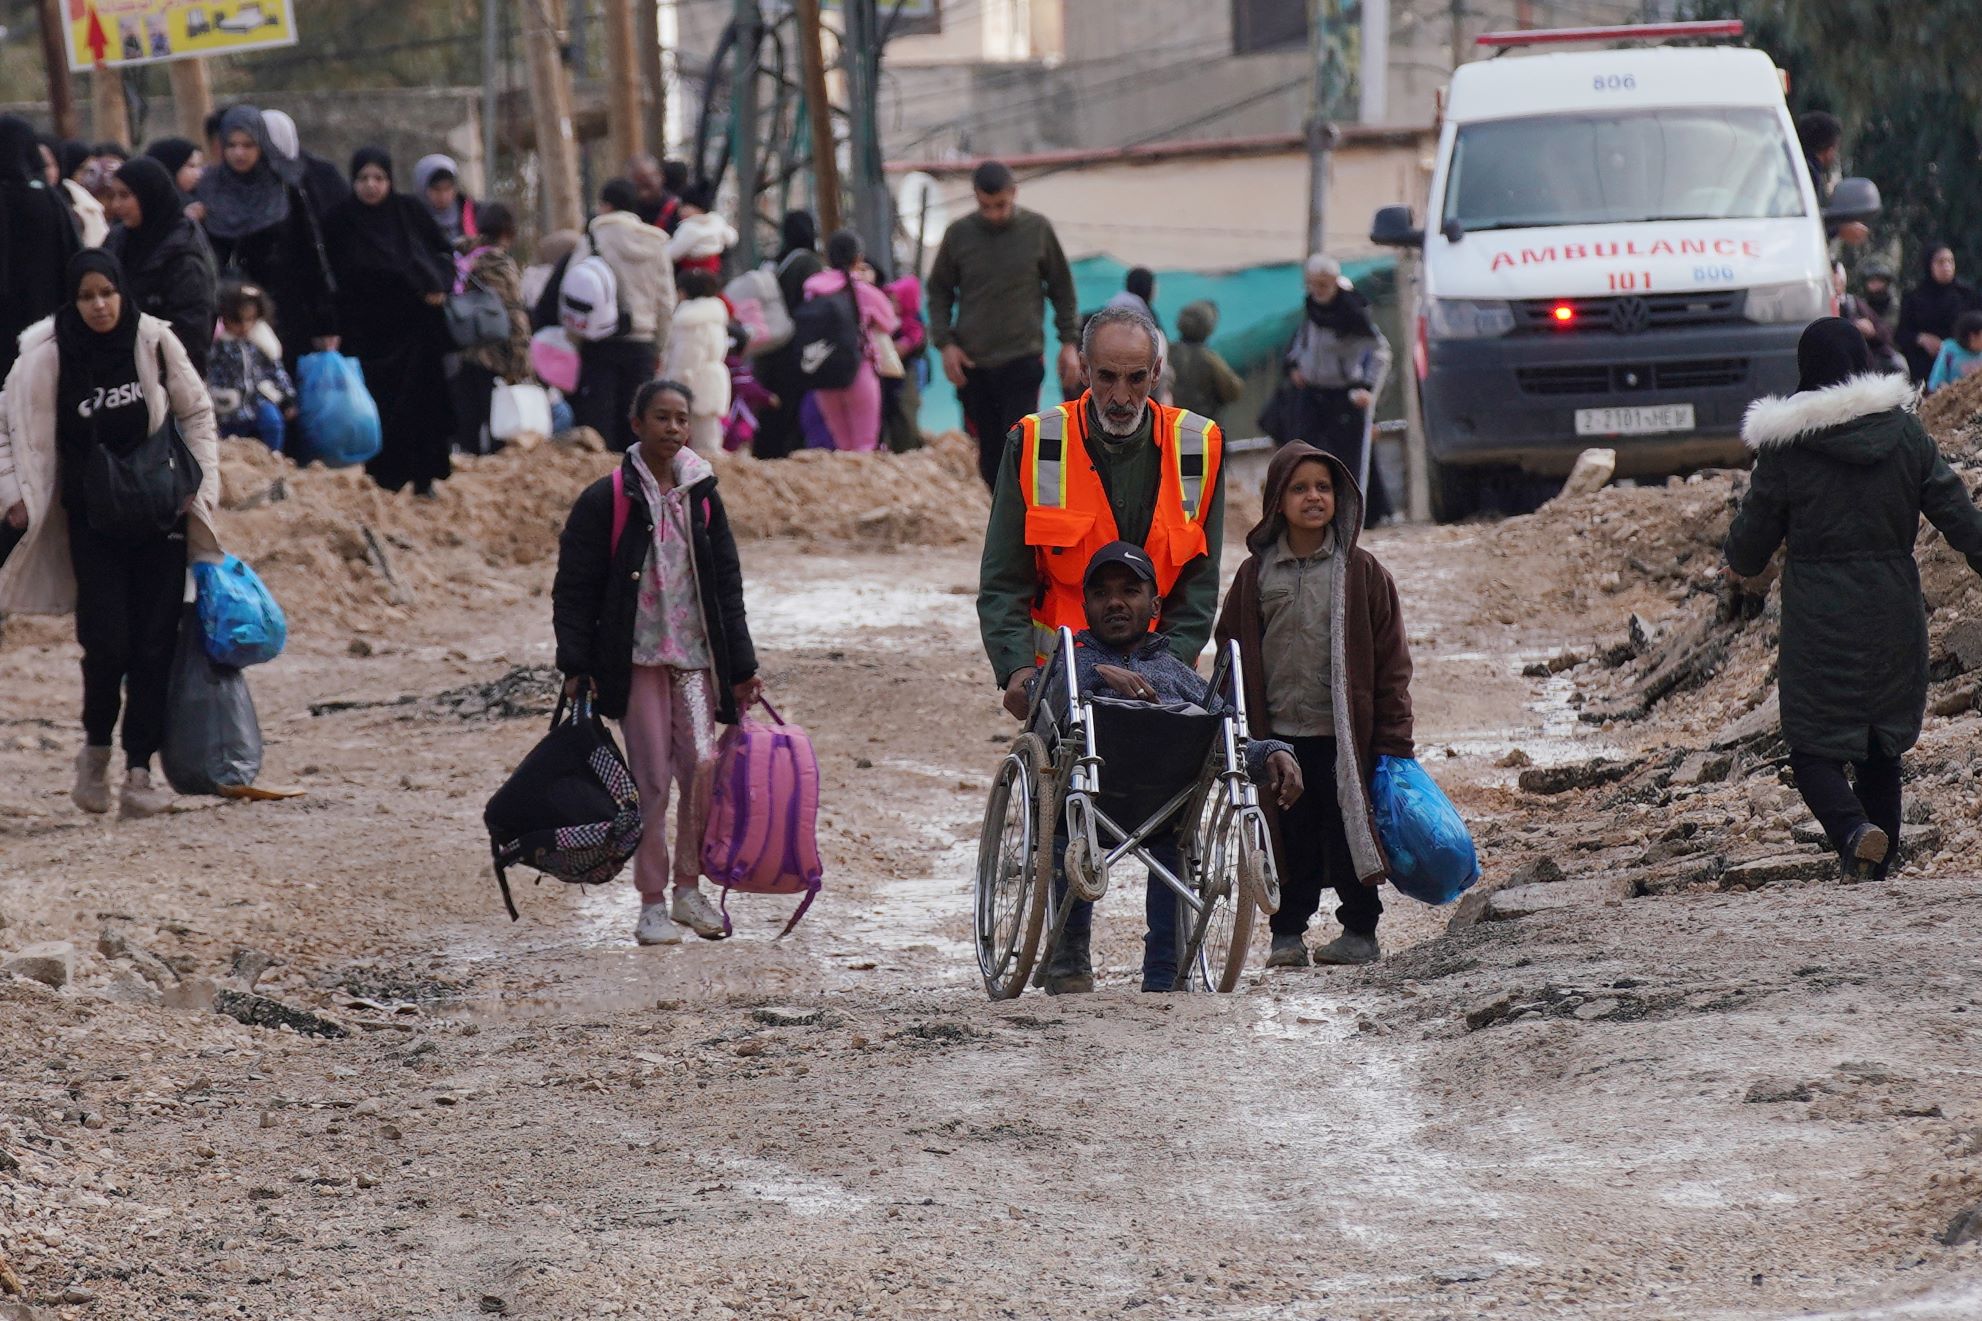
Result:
1067,516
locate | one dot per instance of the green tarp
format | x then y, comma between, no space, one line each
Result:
1259,308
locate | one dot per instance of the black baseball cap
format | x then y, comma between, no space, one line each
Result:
1125,553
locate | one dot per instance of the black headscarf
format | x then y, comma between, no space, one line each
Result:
1831,352
172,153
397,237
91,361
37,237
1348,313
241,204
70,153
800,230
159,202
1932,306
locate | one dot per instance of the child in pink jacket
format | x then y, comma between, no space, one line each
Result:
853,414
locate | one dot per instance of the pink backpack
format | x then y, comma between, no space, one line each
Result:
762,836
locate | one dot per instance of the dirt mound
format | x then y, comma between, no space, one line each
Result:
1954,415
340,553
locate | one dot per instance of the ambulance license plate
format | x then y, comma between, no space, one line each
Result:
1636,421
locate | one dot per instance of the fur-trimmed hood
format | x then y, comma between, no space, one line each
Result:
1826,415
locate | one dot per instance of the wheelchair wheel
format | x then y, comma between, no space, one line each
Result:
1259,876
1014,867
1228,926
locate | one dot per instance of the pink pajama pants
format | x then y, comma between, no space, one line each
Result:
670,729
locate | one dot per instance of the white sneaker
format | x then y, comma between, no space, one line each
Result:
693,910
655,926
92,791
141,797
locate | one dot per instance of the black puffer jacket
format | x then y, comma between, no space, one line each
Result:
175,282
594,596
1842,475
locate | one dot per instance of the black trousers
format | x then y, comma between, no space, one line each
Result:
1317,851
996,399
610,373
1841,807
473,389
128,596
1334,424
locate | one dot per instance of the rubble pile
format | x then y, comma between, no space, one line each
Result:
1685,674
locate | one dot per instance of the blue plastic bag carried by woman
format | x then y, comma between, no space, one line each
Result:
240,623
1431,854
340,420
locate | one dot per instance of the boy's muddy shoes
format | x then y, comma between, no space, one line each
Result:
1287,952
1349,948
1864,852
1070,972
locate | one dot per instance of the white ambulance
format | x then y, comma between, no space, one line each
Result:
1621,248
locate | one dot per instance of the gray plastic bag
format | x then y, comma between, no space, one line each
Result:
213,742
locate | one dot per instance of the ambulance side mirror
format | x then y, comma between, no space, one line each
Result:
1395,228
1853,200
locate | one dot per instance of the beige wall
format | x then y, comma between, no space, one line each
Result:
1214,214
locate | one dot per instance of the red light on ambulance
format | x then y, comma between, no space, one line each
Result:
1563,314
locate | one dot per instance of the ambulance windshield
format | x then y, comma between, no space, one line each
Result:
1625,168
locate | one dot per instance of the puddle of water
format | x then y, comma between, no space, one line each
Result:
831,613
1558,738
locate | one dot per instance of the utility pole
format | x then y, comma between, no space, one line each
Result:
1458,33
625,129
491,58
550,105
110,119
1320,132
743,140
192,98
1374,66
653,79
819,114
872,212
55,55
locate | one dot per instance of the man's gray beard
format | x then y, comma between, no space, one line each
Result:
1120,433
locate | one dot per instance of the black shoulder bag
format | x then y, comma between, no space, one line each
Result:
139,493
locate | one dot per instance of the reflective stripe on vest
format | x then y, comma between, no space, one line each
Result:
1190,448
1049,452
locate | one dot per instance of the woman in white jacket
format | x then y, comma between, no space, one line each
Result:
101,373
698,357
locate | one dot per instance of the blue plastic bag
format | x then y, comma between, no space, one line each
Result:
1431,854
240,623
340,420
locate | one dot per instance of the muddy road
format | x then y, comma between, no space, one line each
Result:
1722,1103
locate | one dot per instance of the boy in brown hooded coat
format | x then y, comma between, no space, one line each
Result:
1325,666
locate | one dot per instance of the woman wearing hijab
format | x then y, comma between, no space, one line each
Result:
101,373
79,169
393,274
1843,472
319,180
1930,309
167,265
437,179
37,238
182,159
265,231
778,431
853,414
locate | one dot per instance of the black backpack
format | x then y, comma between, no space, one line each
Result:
570,810
140,493
825,333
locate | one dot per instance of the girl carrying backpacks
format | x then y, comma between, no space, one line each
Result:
762,836
571,809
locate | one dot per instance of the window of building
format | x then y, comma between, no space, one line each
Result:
1259,26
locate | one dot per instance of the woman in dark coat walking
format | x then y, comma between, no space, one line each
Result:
1930,309
393,273
1843,472
168,267
267,232
37,238
798,261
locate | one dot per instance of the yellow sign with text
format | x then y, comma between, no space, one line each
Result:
123,32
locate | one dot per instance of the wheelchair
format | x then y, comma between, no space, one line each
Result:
1111,777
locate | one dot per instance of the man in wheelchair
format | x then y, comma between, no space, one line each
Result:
1118,657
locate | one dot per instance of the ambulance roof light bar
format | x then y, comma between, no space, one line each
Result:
1501,41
